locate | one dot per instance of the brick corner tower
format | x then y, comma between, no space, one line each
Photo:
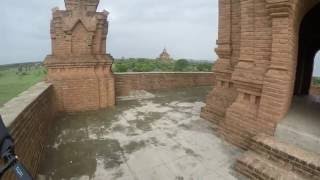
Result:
79,67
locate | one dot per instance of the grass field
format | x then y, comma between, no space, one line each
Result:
13,83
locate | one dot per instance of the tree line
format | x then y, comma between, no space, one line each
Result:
155,65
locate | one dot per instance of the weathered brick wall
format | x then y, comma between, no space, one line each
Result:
29,117
82,89
126,82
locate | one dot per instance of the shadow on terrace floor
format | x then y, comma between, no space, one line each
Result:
161,137
301,126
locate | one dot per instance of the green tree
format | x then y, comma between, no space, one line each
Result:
181,65
121,67
143,67
20,69
206,67
147,65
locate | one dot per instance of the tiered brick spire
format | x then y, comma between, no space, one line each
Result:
88,5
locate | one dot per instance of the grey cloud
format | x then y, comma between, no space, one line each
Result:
139,28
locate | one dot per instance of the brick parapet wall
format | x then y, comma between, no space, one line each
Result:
126,82
28,117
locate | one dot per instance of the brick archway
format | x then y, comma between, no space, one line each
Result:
309,45
255,72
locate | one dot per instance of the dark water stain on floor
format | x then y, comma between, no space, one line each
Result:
79,158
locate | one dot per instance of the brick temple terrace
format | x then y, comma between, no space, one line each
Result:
255,117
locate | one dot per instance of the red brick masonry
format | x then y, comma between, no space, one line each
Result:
126,82
29,117
79,66
256,67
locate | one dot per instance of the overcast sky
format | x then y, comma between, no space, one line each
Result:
138,28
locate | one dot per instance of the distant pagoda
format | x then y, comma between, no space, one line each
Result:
165,56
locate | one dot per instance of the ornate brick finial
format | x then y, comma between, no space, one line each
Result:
55,9
88,5
105,12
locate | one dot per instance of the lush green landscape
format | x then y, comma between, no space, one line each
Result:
154,65
15,79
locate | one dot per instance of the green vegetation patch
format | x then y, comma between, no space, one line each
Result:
16,79
154,65
316,81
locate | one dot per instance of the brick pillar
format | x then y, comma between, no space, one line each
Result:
79,67
241,115
223,93
279,80
263,97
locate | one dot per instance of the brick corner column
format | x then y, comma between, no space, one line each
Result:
223,94
79,67
279,80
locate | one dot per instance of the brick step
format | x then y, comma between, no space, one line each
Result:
255,166
301,161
